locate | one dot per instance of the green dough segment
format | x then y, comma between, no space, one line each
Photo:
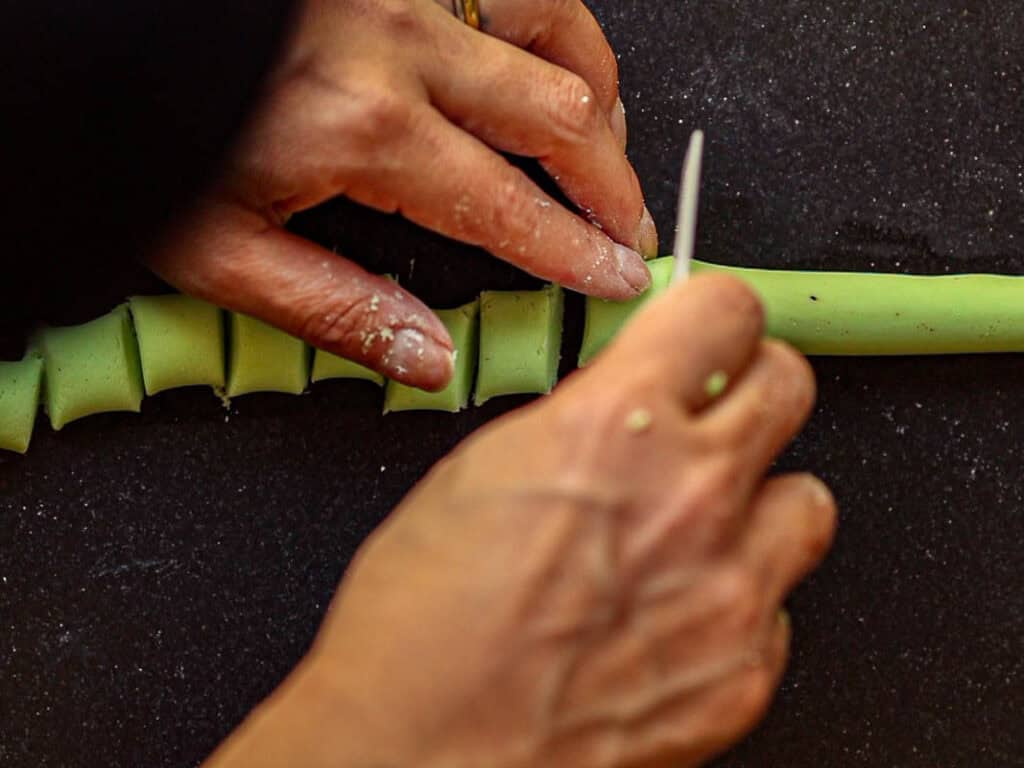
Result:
330,366
20,384
604,318
265,359
854,313
520,342
181,341
463,327
91,368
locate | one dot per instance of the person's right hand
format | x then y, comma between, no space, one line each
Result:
594,580
398,105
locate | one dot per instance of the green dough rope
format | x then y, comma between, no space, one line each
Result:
100,366
181,342
91,368
20,383
264,359
463,327
520,342
850,313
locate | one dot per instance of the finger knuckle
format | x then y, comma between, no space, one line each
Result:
707,492
513,213
573,109
378,115
400,17
737,593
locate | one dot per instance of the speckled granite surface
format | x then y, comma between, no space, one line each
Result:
159,574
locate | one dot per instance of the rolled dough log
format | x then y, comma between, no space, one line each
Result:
854,313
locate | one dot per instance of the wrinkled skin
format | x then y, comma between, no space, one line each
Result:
592,581
398,105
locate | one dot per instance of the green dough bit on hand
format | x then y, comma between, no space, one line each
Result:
181,341
605,318
330,366
462,327
264,359
520,342
91,368
19,401
850,313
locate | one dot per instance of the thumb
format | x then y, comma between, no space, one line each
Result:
234,258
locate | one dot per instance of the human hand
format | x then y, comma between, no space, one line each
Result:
398,105
594,580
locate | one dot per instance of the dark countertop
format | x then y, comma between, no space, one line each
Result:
159,574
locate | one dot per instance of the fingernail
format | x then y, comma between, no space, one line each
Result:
632,268
618,122
648,237
822,495
415,358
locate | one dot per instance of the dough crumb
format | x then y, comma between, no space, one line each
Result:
225,401
639,420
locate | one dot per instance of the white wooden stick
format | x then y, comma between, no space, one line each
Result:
686,217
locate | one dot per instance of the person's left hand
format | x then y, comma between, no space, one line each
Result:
398,105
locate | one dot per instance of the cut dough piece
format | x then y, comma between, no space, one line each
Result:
181,341
265,359
330,366
604,318
19,401
91,368
520,342
463,327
